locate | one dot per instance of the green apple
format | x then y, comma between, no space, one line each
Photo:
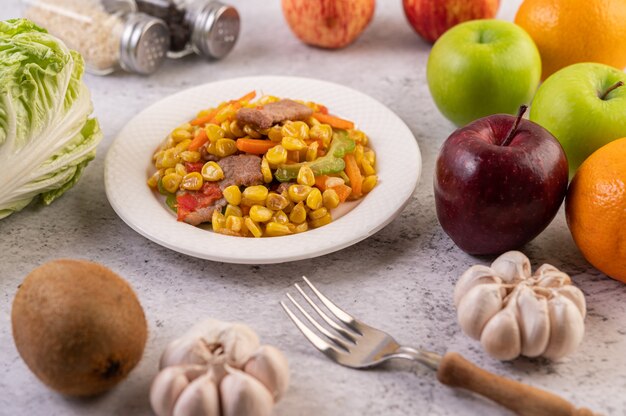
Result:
483,67
584,107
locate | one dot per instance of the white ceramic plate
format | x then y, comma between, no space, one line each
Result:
128,165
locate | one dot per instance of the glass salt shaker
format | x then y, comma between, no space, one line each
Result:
109,34
207,27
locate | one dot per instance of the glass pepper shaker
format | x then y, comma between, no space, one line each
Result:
207,27
109,34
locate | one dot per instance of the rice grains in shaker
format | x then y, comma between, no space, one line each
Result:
109,34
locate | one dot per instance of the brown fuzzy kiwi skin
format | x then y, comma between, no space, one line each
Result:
78,326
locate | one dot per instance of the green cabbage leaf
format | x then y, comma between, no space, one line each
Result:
46,134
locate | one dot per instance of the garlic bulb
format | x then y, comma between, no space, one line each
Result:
515,313
219,369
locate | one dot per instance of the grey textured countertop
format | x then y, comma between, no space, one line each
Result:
400,279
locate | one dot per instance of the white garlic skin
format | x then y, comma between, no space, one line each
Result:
513,312
269,366
243,395
200,398
168,386
237,342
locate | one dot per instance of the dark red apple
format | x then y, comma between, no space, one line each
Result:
499,181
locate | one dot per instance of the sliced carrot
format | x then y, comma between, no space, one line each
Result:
343,191
322,109
205,118
255,146
354,174
320,182
336,122
199,140
249,96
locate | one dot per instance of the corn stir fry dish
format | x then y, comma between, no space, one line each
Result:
263,168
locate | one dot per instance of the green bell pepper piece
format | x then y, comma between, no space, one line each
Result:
332,162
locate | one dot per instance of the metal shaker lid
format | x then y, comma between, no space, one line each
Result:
215,29
145,42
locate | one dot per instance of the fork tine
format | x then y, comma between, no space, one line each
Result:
336,310
317,326
313,338
325,317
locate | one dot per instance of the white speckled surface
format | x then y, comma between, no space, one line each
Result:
400,279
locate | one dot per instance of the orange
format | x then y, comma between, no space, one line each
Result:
571,31
595,207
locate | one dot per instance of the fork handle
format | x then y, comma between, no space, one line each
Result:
525,400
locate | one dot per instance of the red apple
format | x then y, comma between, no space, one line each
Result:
431,18
499,181
328,23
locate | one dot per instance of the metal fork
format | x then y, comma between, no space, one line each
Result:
355,344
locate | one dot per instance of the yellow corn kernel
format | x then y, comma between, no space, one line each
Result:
318,213
276,202
153,180
369,183
203,113
290,206
334,181
370,155
274,229
277,155
326,219
214,132
227,112
266,99
299,193
210,147
311,121
250,131
225,147
192,181
234,223
236,130
298,213
232,194
259,213
281,218
186,126
311,151
321,132
293,143
171,182
314,200
358,136
169,142
291,226
211,171
297,129
180,169
225,125
306,176
330,199
367,168
190,156
358,154
266,171
257,194
158,154
253,227
180,134
168,171
275,133
170,158
300,228
232,210
182,146
218,220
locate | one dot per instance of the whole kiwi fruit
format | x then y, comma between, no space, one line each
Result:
78,326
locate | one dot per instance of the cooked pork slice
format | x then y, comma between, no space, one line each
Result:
241,170
266,116
204,214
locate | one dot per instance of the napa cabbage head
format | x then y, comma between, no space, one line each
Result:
46,134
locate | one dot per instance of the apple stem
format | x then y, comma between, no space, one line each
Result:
520,114
614,87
